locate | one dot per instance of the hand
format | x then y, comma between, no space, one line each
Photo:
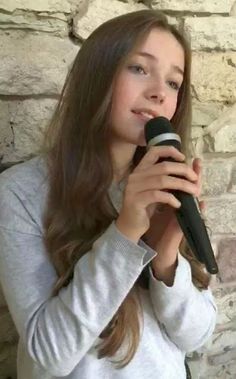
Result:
165,234
150,183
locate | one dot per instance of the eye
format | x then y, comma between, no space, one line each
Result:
137,69
174,85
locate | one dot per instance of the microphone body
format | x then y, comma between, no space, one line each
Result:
158,131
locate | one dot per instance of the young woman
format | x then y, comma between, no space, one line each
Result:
89,298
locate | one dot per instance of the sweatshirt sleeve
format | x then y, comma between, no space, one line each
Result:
58,331
187,313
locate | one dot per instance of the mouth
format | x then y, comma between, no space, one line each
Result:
145,115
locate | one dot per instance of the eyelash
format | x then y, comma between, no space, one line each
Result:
176,85
137,67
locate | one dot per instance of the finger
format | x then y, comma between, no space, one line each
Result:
174,169
202,205
164,182
154,196
197,167
157,152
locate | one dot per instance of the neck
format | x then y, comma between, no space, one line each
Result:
122,157
121,174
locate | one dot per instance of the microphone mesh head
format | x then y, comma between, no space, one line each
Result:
157,126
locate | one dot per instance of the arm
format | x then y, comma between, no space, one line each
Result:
187,314
165,270
58,331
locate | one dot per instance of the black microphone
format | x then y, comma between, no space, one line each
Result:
158,131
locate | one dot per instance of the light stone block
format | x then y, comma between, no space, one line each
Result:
214,77
216,177
225,298
227,261
56,24
49,6
197,146
6,131
100,11
205,113
225,139
23,124
221,215
228,355
196,368
220,136
199,6
34,64
36,6
225,339
232,187
225,371
212,32
196,132
233,10
80,6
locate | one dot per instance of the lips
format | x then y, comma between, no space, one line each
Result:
145,114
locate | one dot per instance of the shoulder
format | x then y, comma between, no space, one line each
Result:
23,190
27,176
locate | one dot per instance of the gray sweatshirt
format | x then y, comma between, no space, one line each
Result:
57,336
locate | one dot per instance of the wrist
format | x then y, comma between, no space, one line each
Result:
164,271
132,235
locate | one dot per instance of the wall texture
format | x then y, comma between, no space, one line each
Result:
38,42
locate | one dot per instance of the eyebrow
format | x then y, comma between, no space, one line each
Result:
153,58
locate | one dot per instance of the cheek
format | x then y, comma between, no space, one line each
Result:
120,103
122,98
126,89
172,105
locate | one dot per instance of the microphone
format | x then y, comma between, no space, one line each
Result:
158,131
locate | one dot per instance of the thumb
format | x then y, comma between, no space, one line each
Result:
202,206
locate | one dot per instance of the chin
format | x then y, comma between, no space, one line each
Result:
142,140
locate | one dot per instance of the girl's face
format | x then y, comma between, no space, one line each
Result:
146,87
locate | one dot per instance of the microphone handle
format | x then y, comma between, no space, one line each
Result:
195,231
192,224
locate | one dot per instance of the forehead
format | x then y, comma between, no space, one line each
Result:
163,45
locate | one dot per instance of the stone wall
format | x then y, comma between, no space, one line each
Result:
38,42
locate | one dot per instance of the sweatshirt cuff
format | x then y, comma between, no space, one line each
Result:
142,244
122,243
181,284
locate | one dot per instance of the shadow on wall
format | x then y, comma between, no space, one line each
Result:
4,166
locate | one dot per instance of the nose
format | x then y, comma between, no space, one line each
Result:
156,93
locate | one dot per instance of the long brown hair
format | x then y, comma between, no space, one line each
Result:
76,147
